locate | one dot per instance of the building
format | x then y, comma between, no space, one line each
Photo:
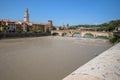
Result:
119,28
25,25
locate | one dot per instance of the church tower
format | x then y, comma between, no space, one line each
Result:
26,16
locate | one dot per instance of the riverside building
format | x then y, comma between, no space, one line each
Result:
24,26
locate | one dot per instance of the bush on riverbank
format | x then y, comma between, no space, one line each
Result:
35,31
114,39
102,37
1,31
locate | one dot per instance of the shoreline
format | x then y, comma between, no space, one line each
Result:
55,37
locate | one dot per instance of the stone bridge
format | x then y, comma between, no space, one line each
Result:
82,33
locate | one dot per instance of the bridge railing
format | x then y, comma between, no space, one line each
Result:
106,66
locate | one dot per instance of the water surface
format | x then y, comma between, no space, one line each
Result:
45,58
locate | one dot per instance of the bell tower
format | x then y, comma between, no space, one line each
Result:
26,16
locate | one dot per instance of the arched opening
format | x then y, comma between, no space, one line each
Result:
88,35
55,34
76,34
64,34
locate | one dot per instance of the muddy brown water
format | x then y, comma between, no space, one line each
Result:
45,58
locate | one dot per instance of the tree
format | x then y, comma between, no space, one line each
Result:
108,26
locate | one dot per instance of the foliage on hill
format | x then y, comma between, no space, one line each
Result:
109,26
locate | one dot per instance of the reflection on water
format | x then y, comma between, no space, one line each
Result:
77,35
88,36
85,36
45,58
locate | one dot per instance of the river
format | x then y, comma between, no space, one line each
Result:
46,58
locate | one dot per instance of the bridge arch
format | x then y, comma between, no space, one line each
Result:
64,34
55,34
88,35
76,34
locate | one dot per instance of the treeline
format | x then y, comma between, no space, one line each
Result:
109,26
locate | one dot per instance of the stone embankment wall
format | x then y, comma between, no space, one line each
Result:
106,66
22,35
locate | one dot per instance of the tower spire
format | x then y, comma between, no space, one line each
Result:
26,16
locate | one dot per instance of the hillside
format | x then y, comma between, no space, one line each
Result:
108,26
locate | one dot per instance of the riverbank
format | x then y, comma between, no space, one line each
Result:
103,67
22,35
77,38
58,38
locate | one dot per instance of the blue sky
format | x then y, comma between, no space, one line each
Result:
71,12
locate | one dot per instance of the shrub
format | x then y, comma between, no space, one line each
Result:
36,31
114,39
103,37
3,30
18,31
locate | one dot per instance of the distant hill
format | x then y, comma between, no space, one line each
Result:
108,26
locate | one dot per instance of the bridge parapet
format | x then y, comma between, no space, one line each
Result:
106,66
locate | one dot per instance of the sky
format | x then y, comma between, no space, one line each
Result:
72,12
